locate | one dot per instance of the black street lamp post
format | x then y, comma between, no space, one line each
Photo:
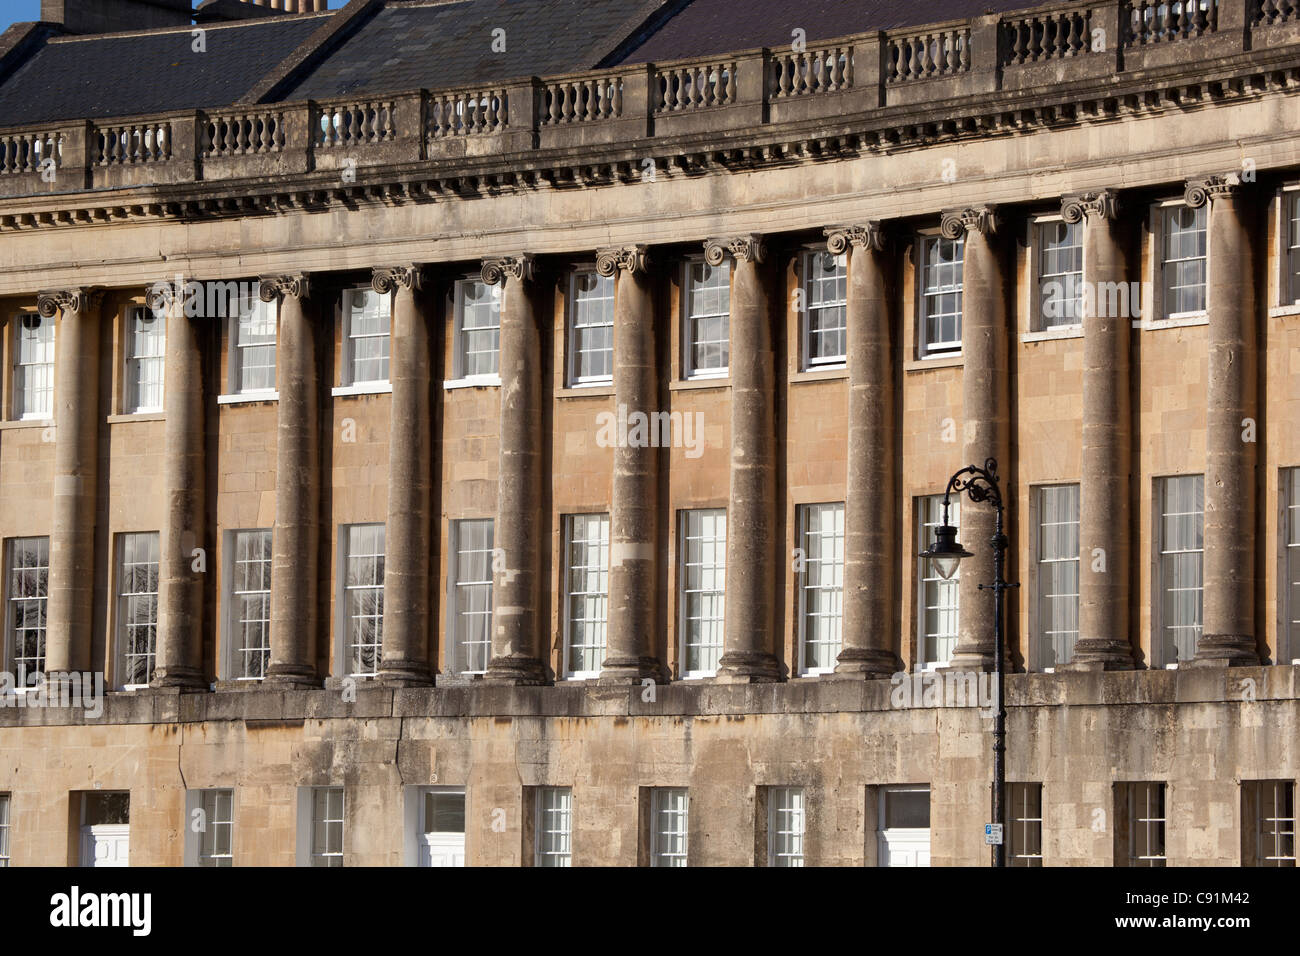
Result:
981,484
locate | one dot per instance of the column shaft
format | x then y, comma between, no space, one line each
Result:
634,514
180,598
76,438
1228,634
516,636
295,543
870,542
1105,485
749,640
408,538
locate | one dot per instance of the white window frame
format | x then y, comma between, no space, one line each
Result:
10,642
720,575
806,610
134,383
458,334
553,847
576,380
348,366
345,645
886,834
925,574
201,807
22,406
808,266
123,597
1288,251
1141,813
309,852
1271,822
571,591
1159,307
787,817
1039,615
1161,555
235,352
689,371
417,822
6,828
1289,572
1037,245
925,348
1019,823
669,822
457,590
231,663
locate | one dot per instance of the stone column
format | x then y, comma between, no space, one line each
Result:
870,541
516,635
408,537
76,452
1228,632
180,590
1105,639
751,582
986,427
295,541
634,514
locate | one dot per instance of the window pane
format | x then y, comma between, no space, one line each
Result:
364,598
29,574
937,619
1058,574
785,826
471,595
703,583
137,602
941,293
591,328
1181,581
587,597
554,826
34,366
1060,273
369,321
668,822
707,329
821,588
826,315
1184,259
146,348
480,328
254,352
250,604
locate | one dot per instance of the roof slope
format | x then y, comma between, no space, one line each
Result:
709,27
130,73
448,44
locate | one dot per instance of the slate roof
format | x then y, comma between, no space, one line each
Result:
131,73
447,44
708,27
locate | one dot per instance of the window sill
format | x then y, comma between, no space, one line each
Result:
1177,322
1051,335
938,361
832,373
28,423
594,390
135,417
1284,311
686,384
481,381
246,398
369,388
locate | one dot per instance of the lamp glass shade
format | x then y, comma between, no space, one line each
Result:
946,553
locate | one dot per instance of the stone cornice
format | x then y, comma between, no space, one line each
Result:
387,279
50,304
868,235
271,288
751,248
956,223
1102,204
1205,189
501,268
631,259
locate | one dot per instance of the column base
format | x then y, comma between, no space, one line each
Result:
972,661
1099,655
180,678
1225,650
517,670
406,673
867,663
631,670
291,675
748,667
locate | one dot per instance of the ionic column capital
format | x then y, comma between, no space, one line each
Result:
1204,189
634,260
750,248
1100,204
868,235
522,267
956,223
50,304
386,279
271,288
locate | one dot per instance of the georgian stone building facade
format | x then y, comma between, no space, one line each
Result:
532,471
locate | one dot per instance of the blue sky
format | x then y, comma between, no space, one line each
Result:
11,11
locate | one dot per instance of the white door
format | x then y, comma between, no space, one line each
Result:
442,827
905,848
106,844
